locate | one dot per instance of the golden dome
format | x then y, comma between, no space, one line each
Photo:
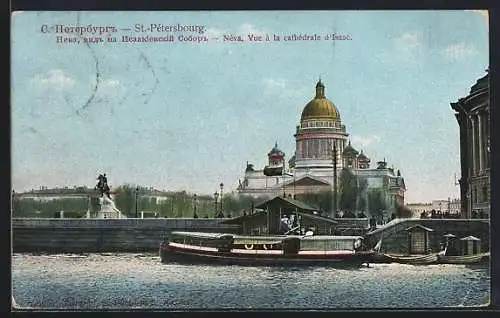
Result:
320,107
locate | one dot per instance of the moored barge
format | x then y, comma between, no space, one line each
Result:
280,250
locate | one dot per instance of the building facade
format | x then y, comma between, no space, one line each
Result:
449,207
473,116
322,150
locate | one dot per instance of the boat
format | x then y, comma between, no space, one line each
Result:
412,259
280,250
464,259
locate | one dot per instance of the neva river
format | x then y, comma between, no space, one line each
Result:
126,281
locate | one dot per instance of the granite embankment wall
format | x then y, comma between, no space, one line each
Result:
102,235
395,237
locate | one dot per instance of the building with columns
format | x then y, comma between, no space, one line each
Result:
321,144
473,116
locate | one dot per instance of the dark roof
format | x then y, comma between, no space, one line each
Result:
239,219
421,227
287,203
317,217
481,83
276,150
362,156
349,150
470,238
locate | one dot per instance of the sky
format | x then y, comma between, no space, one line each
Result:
188,116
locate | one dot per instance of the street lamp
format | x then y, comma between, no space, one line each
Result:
194,214
216,195
136,200
221,206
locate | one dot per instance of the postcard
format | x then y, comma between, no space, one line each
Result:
180,160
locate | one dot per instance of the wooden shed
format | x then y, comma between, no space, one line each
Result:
418,239
470,245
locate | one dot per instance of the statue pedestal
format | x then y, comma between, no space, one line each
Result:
108,210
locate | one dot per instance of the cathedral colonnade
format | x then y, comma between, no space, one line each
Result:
473,116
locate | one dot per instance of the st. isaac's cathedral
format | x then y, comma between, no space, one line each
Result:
319,136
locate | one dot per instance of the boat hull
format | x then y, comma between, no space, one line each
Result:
464,259
412,260
168,255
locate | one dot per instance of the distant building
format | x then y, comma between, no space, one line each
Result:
449,206
473,116
418,208
310,169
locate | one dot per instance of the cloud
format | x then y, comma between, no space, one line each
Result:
280,88
363,141
247,28
272,84
53,79
409,41
406,48
458,51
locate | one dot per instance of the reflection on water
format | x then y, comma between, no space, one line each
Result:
113,280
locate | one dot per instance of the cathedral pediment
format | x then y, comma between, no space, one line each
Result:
309,181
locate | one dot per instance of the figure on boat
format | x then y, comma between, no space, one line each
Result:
102,186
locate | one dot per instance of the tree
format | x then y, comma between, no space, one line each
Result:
363,186
402,211
376,203
321,200
165,208
348,190
125,199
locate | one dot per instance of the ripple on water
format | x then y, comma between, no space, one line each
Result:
118,280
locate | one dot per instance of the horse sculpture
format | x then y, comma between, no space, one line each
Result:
102,186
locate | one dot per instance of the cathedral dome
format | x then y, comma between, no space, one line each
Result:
276,151
320,107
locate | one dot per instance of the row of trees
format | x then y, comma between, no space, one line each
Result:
174,205
355,200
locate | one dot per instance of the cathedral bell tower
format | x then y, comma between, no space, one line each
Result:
276,162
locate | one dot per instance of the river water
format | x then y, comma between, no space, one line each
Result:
132,281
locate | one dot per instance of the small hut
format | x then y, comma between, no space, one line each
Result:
418,239
470,245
